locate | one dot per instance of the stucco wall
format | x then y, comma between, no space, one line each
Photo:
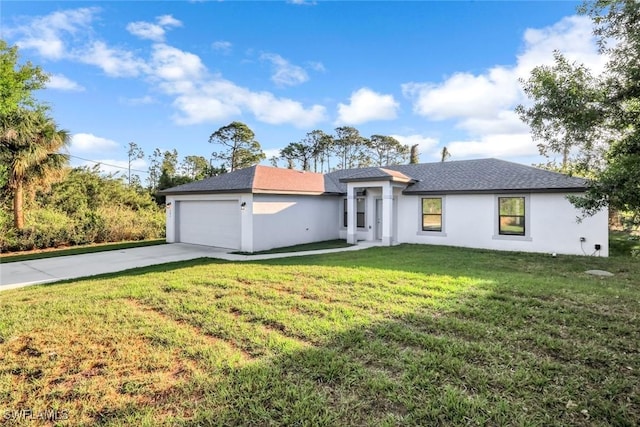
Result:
471,221
280,220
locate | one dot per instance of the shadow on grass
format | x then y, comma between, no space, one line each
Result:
523,350
493,360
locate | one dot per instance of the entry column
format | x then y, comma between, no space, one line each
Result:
352,237
387,214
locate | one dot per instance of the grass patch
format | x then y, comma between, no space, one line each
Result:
624,244
408,335
327,244
77,250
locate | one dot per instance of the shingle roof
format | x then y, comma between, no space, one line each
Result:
464,176
374,174
485,175
256,179
274,179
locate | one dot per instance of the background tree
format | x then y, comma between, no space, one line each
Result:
414,157
444,154
386,150
321,145
195,167
240,149
4,174
155,170
29,140
348,147
134,152
614,98
566,115
300,152
18,82
30,143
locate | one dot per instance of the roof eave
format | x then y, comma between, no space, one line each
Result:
379,178
227,191
497,190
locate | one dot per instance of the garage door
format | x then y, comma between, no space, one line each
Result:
209,223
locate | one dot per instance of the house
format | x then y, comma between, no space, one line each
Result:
485,203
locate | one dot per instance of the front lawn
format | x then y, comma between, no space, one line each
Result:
410,335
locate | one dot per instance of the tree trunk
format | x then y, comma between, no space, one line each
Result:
18,214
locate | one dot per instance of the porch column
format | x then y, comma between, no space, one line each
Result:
387,214
352,238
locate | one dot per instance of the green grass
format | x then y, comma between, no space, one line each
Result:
624,244
327,244
77,250
409,335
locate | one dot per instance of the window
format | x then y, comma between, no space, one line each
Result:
432,214
511,216
360,203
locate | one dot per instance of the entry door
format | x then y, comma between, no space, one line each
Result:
378,219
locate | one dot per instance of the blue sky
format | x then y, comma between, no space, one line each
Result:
168,74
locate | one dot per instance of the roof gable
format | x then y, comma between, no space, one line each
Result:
271,179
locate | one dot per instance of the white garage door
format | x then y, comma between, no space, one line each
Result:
209,223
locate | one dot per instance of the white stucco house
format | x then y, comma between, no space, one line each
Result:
485,203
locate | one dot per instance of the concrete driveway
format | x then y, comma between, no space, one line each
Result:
19,274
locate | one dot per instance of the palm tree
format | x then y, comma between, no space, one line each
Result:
29,145
444,154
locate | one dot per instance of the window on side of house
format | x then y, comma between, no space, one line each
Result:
432,214
360,204
511,216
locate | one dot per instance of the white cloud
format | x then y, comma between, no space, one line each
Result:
60,82
154,32
284,72
302,2
573,36
222,46
45,34
271,152
425,143
87,142
114,62
483,104
172,64
316,66
495,145
198,96
504,121
219,99
465,95
168,21
143,100
146,30
366,105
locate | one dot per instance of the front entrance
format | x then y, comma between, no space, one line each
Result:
378,234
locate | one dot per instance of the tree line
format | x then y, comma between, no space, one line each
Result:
317,151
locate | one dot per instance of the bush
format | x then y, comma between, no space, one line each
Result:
85,207
122,223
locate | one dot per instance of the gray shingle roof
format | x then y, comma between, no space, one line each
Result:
238,181
464,176
485,175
